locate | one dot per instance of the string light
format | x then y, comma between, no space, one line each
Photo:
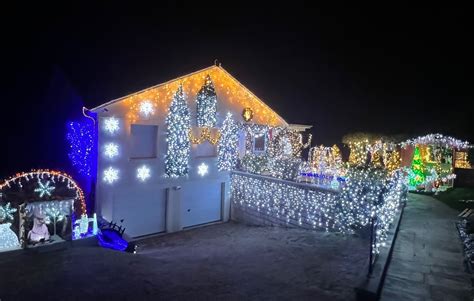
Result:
224,84
227,152
462,160
179,147
207,105
437,140
53,176
205,135
82,138
8,238
111,175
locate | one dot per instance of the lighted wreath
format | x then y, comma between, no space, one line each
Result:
247,114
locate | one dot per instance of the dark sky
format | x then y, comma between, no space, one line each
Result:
378,69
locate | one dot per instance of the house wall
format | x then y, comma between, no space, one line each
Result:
161,204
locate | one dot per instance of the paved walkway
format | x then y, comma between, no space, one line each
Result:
427,261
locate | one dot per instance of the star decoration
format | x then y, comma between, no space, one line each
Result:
44,189
143,173
111,150
111,175
203,169
111,125
146,108
6,212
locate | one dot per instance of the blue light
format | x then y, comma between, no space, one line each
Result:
82,143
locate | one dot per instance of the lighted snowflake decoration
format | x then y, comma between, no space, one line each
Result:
44,189
143,173
111,175
111,150
6,212
146,108
203,169
111,125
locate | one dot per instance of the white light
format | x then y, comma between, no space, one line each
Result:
146,108
111,175
44,189
111,125
143,173
111,150
203,169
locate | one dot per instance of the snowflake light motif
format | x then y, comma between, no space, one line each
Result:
111,150
143,173
146,108
111,125
44,189
203,169
6,212
111,175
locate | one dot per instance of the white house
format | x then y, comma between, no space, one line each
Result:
132,145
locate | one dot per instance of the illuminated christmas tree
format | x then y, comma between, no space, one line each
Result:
417,175
207,105
179,146
227,147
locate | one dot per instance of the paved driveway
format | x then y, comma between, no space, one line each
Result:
427,262
225,262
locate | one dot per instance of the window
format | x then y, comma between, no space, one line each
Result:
259,144
143,141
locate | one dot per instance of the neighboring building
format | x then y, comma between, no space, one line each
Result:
132,145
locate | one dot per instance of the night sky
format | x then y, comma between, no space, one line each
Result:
389,70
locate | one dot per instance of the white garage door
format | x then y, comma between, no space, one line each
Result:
143,211
200,203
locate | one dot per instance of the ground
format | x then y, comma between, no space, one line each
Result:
427,261
226,261
452,197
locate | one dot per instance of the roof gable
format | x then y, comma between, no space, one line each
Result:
224,83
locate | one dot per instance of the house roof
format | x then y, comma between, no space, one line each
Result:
224,83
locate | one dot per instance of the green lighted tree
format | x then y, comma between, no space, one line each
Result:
417,175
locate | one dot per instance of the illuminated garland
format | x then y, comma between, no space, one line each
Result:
224,84
179,147
40,174
227,152
368,193
207,105
205,135
291,203
437,140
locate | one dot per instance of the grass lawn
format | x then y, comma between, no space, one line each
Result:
452,197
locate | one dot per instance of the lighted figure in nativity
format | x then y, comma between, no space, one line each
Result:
40,232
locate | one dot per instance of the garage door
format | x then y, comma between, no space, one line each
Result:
143,211
200,203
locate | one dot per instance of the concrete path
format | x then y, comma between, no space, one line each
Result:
427,261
